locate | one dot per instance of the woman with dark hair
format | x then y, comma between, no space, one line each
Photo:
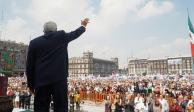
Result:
157,107
118,105
129,107
108,104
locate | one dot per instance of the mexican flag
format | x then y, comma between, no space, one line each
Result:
191,36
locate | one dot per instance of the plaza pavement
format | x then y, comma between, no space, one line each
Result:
87,106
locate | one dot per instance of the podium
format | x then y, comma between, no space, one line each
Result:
3,85
6,104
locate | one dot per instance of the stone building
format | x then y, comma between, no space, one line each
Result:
180,65
138,66
157,66
177,65
88,65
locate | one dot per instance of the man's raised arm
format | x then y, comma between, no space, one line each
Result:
75,34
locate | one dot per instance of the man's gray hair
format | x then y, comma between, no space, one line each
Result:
50,26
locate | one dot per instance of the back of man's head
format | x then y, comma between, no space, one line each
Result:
50,26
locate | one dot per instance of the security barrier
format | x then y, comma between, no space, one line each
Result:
98,97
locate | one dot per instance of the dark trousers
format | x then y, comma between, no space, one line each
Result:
27,104
43,94
21,103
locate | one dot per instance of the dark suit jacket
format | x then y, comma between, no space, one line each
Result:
47,60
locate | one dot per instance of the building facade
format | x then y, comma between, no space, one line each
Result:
88,65
177,65
138,66
12,57
157,66
180,65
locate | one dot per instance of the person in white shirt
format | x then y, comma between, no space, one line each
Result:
164,104
142,106
138,101
17,98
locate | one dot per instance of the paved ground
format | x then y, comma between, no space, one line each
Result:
85,107
92,107
20,110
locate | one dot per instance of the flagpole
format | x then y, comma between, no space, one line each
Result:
188,11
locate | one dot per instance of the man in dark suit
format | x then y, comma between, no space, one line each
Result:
47,67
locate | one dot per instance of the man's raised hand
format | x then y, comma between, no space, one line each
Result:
85,22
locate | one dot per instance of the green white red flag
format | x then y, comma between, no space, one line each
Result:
191,35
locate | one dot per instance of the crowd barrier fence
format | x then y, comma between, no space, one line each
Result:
98,97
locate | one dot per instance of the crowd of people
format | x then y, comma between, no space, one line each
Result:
150,93
18,90
17,82
157,93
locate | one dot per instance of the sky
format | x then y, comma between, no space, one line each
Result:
126,29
